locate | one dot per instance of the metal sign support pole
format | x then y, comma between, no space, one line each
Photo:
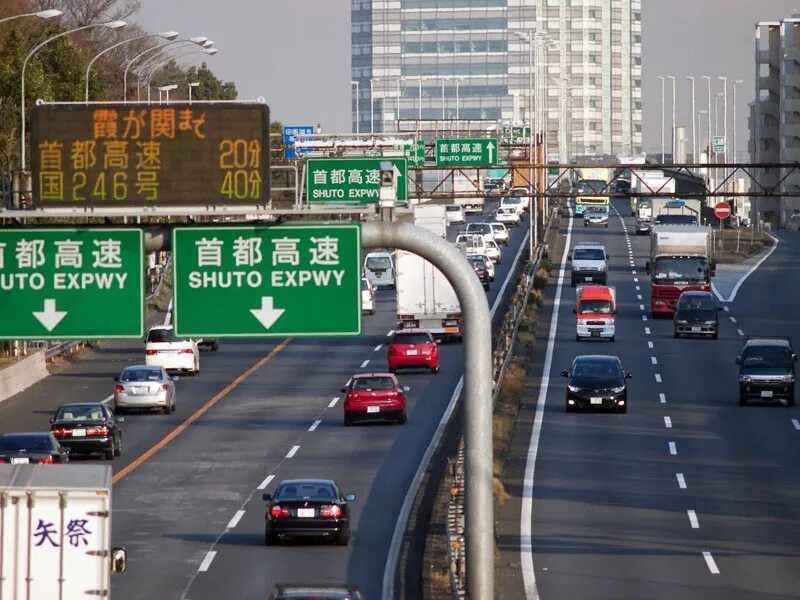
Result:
479,516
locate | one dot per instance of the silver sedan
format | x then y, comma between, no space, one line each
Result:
144,386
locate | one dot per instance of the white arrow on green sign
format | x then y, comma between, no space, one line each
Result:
466,152
267,281
338,180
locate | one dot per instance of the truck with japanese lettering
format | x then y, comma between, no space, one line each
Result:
55,528
680,261
425,298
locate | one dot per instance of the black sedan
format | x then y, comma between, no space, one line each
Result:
481,270
696,313
308,508
315,592
88,427
31,448
597,381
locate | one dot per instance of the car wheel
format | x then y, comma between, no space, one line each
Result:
372,312
269,537
742,399
391,370
715,335
172,407
569,408
109,453
577,338
675,334
611,339
622,409
343,536
573,282
435,369
118,447
348,420
402,419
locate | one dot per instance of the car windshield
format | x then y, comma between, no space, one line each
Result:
378,262
597,373
140,374
703,303
373,383
78,412
479,228
589,254
602,210
305,490
668,269
27,443
767,356
364,284
158,336
453,208
596,307
477,261
592,185
411,338
645,202
515,201
676,220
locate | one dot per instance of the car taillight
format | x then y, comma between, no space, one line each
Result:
101,430
393,349
119,389
278,511
3,461
186,351
151,352
164,387
47,460
59,431
331,511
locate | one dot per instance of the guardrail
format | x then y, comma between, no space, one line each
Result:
501,356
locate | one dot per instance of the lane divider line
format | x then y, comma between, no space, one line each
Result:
267,480
658,377
636,280
378,347
673,450
364,364
733,319
333,402
237,516
140,460
207,561
662,398
695,524
168,315
638,296
712,565
681,480
315,424
740,332
650,344
391,333
641,307
726,308
796,424
292,452
668,422
644,317
647,331
638,289
654,360
744,277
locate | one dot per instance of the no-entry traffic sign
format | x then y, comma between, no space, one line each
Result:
722,210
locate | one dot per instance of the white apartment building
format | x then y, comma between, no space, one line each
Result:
444,60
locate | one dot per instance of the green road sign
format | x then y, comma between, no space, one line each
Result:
266,281
417,154
351,179
553,170
719,144
71,283
515,135
466,152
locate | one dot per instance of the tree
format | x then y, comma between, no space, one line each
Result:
210,87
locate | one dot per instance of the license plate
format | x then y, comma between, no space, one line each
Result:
78,433
588,278
20,461
451,329
305,513
412,352
595,400
696,330
595,334
373,409
767,394
139,390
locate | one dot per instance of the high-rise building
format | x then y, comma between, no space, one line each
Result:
439,60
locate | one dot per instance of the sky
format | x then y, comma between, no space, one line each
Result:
296,53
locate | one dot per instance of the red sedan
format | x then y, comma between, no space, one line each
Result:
413,348
374,397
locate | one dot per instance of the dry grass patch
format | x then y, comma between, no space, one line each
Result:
501,496
439,579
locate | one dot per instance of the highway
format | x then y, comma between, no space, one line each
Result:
187,495
688,495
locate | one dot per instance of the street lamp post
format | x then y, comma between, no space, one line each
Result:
735,83
532,206
205,44
708,122
694,137
167,89
358,112
372,105
192,84
443,117
674,142
167,35
458,79
42,14
661,78
419,107
113,25
209,51
725,127
199,40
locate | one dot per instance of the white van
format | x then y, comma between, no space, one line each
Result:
379,269
517,203
484,229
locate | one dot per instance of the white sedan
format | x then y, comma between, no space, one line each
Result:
500,233
455,213
165,350
493,251
507,215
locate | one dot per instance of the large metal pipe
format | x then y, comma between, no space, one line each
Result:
477,385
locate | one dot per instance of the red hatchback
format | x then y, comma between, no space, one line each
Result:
374,397
412,348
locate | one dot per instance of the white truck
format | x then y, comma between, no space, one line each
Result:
649,183
686,211
55,522
425,298
468,192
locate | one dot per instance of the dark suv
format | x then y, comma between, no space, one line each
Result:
766,370
696,314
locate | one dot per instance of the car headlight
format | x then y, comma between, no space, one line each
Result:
681,322
710,323
788,378
574,389
618,390
745,378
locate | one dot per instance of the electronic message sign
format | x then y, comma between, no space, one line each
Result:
138,154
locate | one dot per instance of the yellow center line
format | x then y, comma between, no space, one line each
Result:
139,461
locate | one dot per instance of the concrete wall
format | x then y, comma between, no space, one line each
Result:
22,374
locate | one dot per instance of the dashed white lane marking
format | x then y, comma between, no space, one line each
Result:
644,317
668,422
107,400
662,398
634,272
740,332
712,565
647,331
638,296
207,561
636,279
365,363
292,452
658,377
378,347
796,424
263,485
681,480
333,402
650,345
235,519
314,425
641,307
733,319
726,308
654,360
638,288
391,333
693,519
672,449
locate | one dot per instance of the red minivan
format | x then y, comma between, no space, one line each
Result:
413,348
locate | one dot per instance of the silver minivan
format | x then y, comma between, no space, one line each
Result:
379,269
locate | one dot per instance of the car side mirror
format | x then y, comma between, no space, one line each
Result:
738,360
628,375
119,560
176,378
266,497
120,419
116,377
565,373
647,267
52,419
350,497
608,257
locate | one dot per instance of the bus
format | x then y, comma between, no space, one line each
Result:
590,186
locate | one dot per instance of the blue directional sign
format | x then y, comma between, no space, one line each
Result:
289,134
